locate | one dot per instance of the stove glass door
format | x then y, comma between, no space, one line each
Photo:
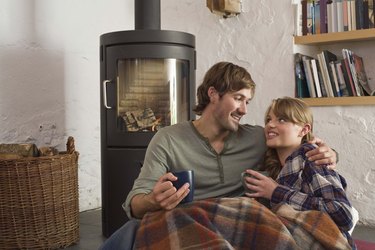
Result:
152,93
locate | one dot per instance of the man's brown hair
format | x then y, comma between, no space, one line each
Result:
224,77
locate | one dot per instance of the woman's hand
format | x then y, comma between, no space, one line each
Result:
261,185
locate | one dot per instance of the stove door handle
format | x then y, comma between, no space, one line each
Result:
105,82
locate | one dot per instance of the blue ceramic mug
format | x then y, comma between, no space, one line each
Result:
183,177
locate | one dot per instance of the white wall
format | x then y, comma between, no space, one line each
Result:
49,72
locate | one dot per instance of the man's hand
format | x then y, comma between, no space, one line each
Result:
322,155
165,194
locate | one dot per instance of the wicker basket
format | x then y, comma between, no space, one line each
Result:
39,201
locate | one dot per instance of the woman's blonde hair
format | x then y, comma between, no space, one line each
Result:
292,110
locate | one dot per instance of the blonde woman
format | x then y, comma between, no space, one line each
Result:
294,179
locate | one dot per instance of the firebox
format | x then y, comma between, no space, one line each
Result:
147,82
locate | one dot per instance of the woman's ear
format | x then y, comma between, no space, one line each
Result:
305,129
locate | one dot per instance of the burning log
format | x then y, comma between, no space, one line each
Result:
141,120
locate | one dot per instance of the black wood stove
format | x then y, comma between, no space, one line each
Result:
147,82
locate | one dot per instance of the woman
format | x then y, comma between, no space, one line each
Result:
299,182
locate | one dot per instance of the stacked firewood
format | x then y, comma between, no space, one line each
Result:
22,150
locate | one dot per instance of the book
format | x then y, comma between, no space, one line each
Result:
361,75
349,55
317,17
330,57
359,14
340,20
365,15
323,16
329,17
335,81
314,67
297,6
309,19
345,14
304,17
309,75
353,14
371,21
322,86
301,83
334,15
324,72
348,77
340,77
313,27
349,12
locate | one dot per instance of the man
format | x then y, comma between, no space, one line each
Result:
216,146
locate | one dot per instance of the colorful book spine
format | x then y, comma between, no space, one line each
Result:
309,75
340,20
304,17
330,57
298,18
359,14
371,23
324,71
314,67
323,16
345,14
365,15
362,76
329,17
349,11
317,21
301,84
310,11
353,14
347,77
335,81
340,77
348,57
334,16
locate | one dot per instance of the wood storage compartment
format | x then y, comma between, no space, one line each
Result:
39,201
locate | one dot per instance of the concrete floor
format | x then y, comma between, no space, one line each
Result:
91,232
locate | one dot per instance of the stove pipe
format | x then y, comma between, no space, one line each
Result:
147,14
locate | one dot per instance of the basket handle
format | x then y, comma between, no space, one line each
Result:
70,148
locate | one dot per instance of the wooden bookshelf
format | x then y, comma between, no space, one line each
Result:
340,101
336,37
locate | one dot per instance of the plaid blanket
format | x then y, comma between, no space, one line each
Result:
237,223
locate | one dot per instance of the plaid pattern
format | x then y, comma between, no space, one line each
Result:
237,223
312,229
305,186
